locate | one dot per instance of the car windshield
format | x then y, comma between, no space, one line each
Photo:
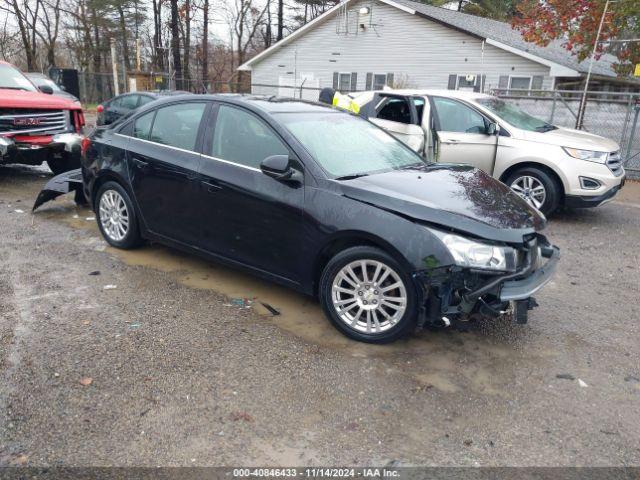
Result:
513,115
346,146
13,79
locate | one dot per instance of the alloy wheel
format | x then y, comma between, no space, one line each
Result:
114,216
369,296
531,190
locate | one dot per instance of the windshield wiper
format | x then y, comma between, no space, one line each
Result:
546,128
352,176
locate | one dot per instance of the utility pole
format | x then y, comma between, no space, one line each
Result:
114,67
583,101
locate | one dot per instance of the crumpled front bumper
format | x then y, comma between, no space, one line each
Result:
455,293
524,288
34,151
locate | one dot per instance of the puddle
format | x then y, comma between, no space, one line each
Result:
448,361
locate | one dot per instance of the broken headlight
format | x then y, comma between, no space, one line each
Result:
472,254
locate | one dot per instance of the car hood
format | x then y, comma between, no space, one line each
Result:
567,137
456,197
22,99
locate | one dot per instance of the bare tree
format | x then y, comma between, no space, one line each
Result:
175,42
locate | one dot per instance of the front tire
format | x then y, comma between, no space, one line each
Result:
116,217
368,296
537,187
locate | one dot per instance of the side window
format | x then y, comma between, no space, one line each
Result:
177,125
395,110
243,138
116,102
129,102
142,125
457,117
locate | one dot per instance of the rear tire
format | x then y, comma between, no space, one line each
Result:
116,217
377,307
63,164
537,187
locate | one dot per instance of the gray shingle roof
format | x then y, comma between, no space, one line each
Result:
503,33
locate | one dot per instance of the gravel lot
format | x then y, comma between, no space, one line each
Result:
174,367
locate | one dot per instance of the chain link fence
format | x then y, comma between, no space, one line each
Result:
612,115
96,88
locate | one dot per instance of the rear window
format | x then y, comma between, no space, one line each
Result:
142,126
177,125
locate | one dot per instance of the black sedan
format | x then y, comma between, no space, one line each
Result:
324,202
121,105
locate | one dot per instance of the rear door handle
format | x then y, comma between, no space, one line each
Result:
212,187
140,163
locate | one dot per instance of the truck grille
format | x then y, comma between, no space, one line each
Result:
614,162
34,121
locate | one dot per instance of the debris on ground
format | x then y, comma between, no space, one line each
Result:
89,219
582,384
265,309
565,376
86,381
109,287
240,302
95,272
17,210
236,416
135,325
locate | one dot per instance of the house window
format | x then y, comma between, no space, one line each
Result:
344,82
520,83
466,82
379,81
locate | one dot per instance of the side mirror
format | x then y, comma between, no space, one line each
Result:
46,89
493,129
277,166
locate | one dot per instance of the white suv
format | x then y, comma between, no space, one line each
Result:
547,165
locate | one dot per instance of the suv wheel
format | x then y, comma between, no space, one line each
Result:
536,187
367,295
63,163
116,217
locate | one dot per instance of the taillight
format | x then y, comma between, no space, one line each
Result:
100,109
84,145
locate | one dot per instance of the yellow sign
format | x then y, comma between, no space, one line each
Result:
637,72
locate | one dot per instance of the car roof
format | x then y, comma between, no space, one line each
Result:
265,103
35,74
461,94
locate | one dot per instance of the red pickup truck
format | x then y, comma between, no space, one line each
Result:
36,126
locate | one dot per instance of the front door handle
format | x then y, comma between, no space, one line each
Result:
212,187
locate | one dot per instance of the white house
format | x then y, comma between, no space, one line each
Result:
365,44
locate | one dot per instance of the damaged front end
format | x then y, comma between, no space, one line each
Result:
457,293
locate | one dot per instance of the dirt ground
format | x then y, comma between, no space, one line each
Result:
180,364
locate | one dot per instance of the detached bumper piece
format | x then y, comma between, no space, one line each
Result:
66,182
460,295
